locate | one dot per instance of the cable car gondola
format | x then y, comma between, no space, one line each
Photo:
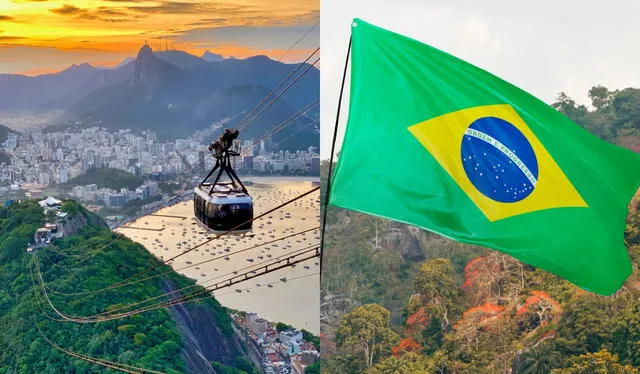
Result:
223,206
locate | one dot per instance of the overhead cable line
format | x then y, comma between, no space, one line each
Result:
87,293
275,265
246,124
249,269
282,83
164,262
282,125
291,47
127,280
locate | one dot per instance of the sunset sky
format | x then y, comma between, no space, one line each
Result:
40,36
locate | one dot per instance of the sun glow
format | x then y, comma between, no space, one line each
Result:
98,31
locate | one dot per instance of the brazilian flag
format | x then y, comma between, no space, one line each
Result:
438,143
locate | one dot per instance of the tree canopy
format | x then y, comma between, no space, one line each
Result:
446,307
91,259
106,178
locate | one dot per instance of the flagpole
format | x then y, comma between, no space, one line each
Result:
333,146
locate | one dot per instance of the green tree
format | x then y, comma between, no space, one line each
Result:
366,331
281,326
626,104
139,338
313,368
309,337
539,359
601,362
436,284
409,363
106,177
567,106
244,364
601,97
225,369
632,232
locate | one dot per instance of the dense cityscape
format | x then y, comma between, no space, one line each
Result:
283,349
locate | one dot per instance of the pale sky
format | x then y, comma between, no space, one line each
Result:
543,47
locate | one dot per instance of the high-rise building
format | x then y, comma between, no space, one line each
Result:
248,162
201,159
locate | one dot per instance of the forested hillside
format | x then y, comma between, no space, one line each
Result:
106,178
614,116
397,299
88,260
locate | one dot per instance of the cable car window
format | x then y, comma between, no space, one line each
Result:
211,210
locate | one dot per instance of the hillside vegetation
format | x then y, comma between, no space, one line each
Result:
615,116
4,131
397,299
91,259
106,178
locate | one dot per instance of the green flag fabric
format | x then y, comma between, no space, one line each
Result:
438,143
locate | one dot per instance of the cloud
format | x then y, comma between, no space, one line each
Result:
105,14
209,22
85,27
174,7
67,9
106,11
199,8
306,18
10,38
253,17
256,37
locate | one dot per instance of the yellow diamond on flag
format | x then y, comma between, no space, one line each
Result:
498,162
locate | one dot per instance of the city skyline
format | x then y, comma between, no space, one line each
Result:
58,157
38,37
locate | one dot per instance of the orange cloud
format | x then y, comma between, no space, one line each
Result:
110,30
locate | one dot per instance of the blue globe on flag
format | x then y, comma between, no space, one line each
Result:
499,160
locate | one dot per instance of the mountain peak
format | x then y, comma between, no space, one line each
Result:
181,59
83,66
259,58
211,57
146,61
